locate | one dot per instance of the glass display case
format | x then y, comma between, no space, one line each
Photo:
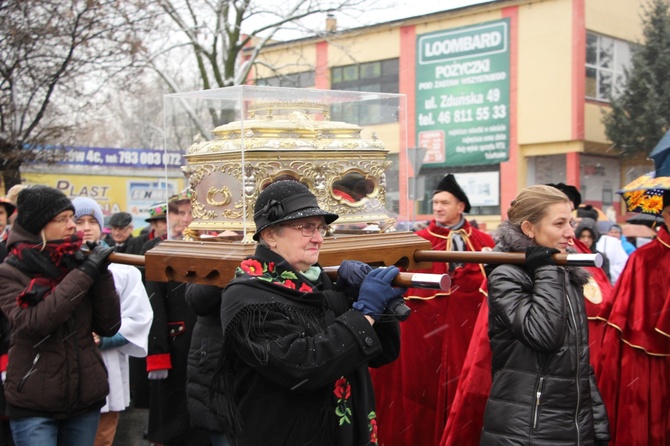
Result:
234,141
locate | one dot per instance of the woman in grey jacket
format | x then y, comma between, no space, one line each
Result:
543,390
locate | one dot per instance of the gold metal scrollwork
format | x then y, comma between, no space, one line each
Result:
198,211
213,192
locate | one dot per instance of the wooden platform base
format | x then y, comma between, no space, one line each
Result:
214,263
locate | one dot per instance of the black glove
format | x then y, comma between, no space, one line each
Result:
96,262
377,291
537,256
350,276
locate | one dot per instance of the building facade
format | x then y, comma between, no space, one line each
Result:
503,94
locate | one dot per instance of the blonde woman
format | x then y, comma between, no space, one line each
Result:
543,391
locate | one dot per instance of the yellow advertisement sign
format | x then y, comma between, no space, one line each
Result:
114,193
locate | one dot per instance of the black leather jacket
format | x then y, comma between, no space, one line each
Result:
544,391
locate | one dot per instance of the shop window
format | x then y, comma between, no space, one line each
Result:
480,183
606,61
378,76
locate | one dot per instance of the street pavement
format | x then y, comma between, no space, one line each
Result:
132,428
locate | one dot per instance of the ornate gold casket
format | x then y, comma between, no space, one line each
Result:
280,135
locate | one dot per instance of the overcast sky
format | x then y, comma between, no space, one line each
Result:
384,11
399,9
408,8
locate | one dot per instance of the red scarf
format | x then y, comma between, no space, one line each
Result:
47,265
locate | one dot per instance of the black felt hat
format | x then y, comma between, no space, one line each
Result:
571,191
120,220
284,201
666,199
587,211
38,204
449,184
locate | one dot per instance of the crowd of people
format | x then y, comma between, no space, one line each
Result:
538,353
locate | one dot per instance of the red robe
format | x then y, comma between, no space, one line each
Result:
414,392
466,417
634,364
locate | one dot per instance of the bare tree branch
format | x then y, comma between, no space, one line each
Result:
50,51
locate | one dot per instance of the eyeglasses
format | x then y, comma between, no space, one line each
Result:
63,220
308,229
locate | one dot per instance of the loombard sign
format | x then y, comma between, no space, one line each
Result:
462,95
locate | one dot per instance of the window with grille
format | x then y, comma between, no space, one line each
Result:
606,60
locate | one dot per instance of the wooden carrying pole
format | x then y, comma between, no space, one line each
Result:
403,279
497,258
409,280
214,263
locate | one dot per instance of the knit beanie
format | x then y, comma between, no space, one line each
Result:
88,206
37,205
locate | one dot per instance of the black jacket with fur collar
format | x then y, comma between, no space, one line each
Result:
543,390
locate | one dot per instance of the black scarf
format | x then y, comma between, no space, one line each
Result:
47,265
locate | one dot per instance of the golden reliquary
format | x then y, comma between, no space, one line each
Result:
287,140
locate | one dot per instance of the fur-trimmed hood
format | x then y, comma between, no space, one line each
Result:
589,224
510,238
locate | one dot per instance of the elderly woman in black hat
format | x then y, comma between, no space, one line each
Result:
296,351
55,299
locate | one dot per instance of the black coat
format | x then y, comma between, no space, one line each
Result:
169,343
206,342
296,359
135,245
543,391
120,247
